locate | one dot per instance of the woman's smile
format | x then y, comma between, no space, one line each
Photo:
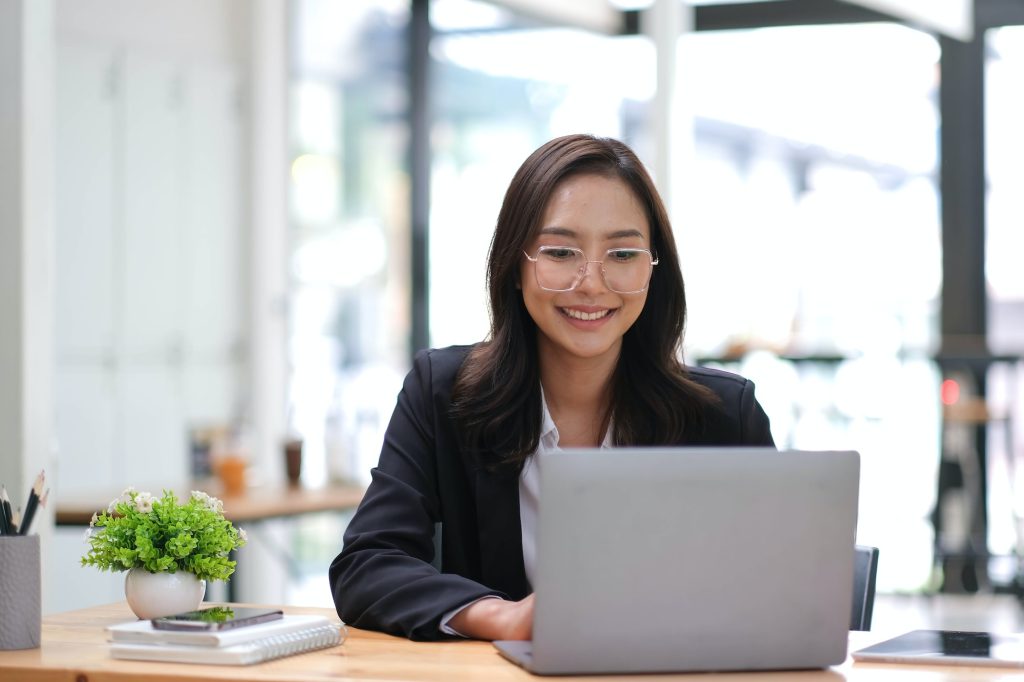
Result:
587,314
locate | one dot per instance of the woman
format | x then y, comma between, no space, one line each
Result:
587,315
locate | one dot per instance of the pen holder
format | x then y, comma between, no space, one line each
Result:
20,610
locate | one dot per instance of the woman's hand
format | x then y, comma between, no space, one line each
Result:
495,619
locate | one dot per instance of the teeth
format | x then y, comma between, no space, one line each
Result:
580,315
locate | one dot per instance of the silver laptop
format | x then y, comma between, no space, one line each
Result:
676,560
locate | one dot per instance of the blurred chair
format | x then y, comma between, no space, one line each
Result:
865,567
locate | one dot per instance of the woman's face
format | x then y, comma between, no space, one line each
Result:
592,213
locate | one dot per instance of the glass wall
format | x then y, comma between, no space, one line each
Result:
1004,151
809,235
810,240
349,264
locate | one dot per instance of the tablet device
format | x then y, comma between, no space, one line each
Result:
953,647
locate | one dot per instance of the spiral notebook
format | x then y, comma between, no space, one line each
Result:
290,635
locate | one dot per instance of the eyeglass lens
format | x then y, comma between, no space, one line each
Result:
625,270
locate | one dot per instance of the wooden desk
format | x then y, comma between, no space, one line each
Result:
74,649
256,504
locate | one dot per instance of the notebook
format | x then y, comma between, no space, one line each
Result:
951,647
678,560
292,634
143,632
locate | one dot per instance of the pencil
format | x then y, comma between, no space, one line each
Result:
15,520
32,503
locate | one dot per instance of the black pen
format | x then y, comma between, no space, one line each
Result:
5,512
32,503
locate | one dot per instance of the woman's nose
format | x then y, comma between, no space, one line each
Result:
591,279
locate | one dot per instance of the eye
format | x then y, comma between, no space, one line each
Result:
558,253
623,255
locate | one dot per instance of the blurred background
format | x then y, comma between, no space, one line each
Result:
228,224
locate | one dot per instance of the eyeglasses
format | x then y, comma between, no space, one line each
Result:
562,268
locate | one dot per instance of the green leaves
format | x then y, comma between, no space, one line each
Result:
161,535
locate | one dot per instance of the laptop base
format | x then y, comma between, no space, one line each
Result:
519,652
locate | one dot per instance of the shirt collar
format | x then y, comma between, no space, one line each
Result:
548,430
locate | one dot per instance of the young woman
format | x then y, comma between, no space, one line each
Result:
587,316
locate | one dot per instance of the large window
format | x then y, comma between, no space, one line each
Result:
810,241
1004,153
349,256
808,227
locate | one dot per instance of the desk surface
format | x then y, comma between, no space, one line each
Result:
74,649
255,504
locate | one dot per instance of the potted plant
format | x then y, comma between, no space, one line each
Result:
169,549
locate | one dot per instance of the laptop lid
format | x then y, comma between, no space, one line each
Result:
669,559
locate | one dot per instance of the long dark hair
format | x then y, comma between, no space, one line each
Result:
496,400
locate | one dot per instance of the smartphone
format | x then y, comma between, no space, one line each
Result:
216,618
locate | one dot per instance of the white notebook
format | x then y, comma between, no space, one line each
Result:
143,632
138,643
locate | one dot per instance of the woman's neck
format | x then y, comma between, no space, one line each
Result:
578,393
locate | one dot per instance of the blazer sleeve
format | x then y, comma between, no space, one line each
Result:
755,427
383,579
736,418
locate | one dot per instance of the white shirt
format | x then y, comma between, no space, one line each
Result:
529,499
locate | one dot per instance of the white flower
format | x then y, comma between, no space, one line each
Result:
211,503
128,495
93,520
88,532
144,503
242,536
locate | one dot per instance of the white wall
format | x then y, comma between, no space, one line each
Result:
154,249
200,31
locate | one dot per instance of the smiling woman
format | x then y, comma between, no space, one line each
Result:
583,350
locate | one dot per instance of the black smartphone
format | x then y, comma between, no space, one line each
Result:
216,618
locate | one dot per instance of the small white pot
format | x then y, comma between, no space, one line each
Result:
151,595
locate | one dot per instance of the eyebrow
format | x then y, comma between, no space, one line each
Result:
566,232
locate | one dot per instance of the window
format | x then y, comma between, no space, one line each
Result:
810,242
349,262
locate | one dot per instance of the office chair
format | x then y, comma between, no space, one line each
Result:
865,567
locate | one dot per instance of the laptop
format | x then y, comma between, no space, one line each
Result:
692,559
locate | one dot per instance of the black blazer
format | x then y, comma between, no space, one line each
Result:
384,578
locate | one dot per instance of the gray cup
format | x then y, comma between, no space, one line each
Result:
20,610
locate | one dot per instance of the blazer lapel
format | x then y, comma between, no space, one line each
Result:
501,535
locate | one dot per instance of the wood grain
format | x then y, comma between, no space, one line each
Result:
255,504
74,649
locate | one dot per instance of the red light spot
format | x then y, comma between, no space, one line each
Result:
950,392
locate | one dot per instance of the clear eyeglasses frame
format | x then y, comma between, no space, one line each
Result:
562,268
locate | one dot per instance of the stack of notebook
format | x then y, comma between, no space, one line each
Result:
291,634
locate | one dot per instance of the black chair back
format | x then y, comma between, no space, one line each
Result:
865,567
